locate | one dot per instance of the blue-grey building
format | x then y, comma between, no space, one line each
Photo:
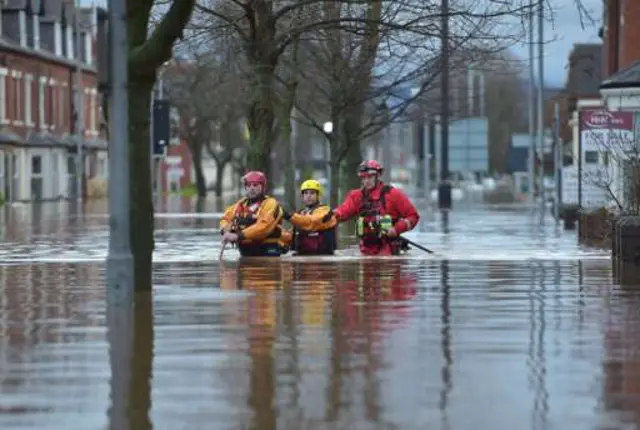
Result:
468,146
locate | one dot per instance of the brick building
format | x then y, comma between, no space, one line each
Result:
39,55
620,34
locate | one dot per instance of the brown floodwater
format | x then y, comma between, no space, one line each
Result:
510,325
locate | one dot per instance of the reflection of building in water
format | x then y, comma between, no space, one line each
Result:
37,301
622,355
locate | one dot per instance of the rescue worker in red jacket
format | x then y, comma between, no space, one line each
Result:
254,222
312,236
383,212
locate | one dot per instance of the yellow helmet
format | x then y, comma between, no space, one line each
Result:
311,184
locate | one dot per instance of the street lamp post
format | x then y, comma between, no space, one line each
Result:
327,127
119,260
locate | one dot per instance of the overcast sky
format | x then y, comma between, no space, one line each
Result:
563,33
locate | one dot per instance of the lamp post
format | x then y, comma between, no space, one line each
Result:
119,259
327,127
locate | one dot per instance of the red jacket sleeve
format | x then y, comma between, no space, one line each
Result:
408,215
349,207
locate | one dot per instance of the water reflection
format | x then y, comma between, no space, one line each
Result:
447,356
130,336
288,344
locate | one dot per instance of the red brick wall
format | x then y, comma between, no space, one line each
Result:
58,100
621,36
630,33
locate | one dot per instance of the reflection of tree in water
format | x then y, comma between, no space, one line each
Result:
130,334
445,331
537,354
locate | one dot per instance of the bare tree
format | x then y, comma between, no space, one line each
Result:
207,93
267,29
149,47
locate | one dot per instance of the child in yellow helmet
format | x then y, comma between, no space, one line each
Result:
311,235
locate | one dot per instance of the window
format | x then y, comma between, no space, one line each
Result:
22,22
36,164
28,114
18,102
51,104
88,52
69,36
61,103
591,157
15,170
93,112
41,103
36,31
57,38
37,178
3,96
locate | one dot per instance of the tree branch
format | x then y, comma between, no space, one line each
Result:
158,47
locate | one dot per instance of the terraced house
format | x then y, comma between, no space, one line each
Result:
50,107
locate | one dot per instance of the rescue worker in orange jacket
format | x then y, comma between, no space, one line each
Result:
312,236
383,212
254,223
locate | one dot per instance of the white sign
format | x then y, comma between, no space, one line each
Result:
592,194
570,185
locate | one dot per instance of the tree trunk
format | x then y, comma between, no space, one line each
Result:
289,168
196,156
220,166
261,118
142,223
141,362
353,156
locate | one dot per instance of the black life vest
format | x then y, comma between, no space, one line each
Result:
321,242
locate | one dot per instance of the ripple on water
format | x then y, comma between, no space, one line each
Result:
533,324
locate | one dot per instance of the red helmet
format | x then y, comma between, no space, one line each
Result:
369,167
255,177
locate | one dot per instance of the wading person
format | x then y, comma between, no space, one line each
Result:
254,223
312,236
383,212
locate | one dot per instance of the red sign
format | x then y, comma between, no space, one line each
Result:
600,118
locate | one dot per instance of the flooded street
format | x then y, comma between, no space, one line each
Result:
508,325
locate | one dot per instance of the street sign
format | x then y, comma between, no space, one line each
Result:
161,127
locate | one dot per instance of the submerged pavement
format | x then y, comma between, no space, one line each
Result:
508,325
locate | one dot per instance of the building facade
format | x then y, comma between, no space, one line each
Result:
42,46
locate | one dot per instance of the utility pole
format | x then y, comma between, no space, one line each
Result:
541,102
532,145
119,260
79,117
557,161
444,188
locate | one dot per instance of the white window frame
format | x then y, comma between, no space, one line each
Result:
17,75
42,85
22,20
54,118
36,31
57,38
62,104
93,114
69,39
3,96
28,97
88,48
